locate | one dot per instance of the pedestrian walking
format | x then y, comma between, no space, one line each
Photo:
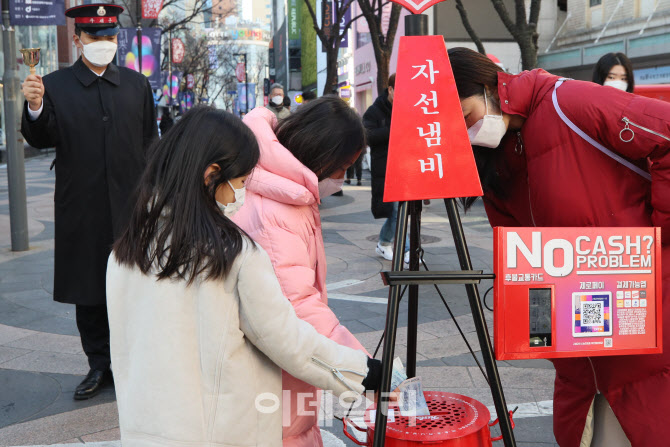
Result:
166,122
276,104
357,170
303,159
196,311
536,170
377,121
101,119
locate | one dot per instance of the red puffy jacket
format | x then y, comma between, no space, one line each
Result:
551,177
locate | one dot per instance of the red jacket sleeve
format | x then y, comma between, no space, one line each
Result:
604,116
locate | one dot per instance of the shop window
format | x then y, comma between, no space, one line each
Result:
595,3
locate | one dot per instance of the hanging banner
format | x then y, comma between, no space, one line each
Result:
151,8
346,18
186,101
294,19
213,58
37,13
151,53
246,97
178,51
173,91
190,81
429,156
577,292
326,19
240,72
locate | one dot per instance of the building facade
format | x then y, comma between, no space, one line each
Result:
592,28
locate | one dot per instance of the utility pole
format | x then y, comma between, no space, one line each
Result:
139,35
16,174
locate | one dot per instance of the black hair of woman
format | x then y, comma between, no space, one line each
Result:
177,230
324,135
473,72
605,64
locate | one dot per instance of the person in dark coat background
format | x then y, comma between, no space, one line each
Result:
101,119
377,122
166,122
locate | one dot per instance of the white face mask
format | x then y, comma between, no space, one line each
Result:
329,186
488,131
232,208
277,100
100,53
621,85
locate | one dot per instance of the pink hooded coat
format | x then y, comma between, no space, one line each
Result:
281,214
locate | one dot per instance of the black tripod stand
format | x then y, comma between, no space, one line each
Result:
413,278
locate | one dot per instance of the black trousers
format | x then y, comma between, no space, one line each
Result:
358,166
93,328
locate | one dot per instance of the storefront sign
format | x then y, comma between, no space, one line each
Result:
656,75
294,19
37,13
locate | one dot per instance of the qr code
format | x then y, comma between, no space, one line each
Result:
608,343
592,313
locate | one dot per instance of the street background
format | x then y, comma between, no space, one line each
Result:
41,359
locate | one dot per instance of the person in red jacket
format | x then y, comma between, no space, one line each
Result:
563,153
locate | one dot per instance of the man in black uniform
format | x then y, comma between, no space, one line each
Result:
101,119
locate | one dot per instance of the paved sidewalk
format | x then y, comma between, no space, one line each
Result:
41,360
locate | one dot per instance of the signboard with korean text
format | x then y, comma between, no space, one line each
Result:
430,156
577,292
37,13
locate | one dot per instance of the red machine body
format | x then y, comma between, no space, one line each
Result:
454,421
577,292
657,91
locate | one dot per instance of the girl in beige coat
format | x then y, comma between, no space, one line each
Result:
200,330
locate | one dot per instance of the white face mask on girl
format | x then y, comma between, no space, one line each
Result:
99,53
618,84
488,131
329,186
232,208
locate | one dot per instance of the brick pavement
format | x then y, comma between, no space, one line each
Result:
41,360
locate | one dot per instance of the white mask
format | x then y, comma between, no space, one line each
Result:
329,186
232,208
488,131
621,85
277,100
99,53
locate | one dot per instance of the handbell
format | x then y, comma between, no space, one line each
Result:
31,57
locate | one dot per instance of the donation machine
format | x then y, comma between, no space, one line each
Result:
577,292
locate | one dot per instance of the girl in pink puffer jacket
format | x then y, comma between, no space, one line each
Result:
303,159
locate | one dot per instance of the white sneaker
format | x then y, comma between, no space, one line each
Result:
385,251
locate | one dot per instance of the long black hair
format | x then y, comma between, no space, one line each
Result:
473,72
323,134
605,64
176,229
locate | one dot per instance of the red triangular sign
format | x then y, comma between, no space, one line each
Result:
430,156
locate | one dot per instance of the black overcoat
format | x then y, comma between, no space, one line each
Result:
101,128
377,122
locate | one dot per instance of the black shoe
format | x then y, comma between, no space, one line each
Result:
359,183
91,385
347,181
339,193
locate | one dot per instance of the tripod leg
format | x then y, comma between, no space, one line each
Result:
391,327
413,301
480,325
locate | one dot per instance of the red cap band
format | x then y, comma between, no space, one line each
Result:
94,20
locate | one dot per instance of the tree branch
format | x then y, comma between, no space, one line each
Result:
504,16
468,27
520,8
534,12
